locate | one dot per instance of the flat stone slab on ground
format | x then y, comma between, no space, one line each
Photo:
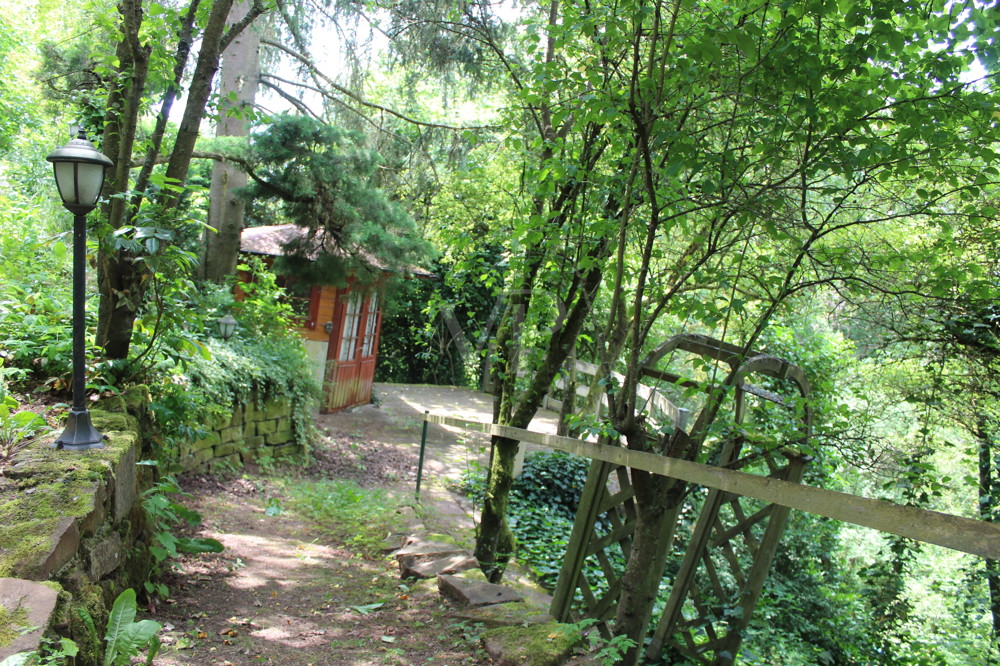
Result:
474,593
414,546
513,614
431,568
27,604
417,550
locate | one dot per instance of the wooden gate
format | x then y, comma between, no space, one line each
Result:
350,364
729,554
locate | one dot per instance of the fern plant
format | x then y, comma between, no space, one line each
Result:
126,637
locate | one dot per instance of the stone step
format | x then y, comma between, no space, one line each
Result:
468,592
410,568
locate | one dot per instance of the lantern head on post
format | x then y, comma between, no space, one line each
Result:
227,326
79,171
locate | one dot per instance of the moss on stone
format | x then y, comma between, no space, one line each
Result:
23,545
546,644
86,614
109,422
48,485
12,622
136,398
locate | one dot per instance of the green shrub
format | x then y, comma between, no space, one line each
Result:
553,478
235,371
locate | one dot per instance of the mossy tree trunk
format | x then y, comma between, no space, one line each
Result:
494,541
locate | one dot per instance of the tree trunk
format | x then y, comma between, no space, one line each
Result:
658,501
641,580
198,94
239,76
118,277
987,512
495,542
568,407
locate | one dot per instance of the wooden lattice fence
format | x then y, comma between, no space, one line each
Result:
745,497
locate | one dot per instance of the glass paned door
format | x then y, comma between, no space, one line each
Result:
352,320
371,326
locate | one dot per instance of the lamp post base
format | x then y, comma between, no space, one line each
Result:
80,433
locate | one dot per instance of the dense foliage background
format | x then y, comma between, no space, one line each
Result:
814,180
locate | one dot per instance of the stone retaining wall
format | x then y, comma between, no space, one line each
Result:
256,432
72,537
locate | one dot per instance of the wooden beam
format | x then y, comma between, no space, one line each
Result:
963,534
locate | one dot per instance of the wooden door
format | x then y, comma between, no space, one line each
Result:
353,349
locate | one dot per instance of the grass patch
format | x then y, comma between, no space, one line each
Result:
360,517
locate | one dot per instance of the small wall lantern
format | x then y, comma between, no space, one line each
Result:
227,326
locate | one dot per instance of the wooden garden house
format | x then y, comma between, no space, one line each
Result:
340,326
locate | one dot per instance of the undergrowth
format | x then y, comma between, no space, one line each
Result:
360,517
543,503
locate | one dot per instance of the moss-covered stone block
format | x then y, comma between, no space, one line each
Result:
209,441
274,409
228,463
231,434
255,442
287,451
137,399
548,644
227,449
110,422
114,404
280,437
50,485
266,427
284,423
203,456
26,610
220,421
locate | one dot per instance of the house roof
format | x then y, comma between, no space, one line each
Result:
271,240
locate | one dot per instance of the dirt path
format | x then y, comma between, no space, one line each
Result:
287,591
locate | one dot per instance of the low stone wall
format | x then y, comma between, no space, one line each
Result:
259,431
72,536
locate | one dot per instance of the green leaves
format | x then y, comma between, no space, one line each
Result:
126,638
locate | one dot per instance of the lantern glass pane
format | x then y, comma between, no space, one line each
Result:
65,181
90,178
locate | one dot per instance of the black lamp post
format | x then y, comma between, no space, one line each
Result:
79,170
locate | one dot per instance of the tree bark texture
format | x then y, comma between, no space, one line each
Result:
198,94
494,541
644,569
120,278
239,76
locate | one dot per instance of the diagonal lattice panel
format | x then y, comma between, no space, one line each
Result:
605,521
731,553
